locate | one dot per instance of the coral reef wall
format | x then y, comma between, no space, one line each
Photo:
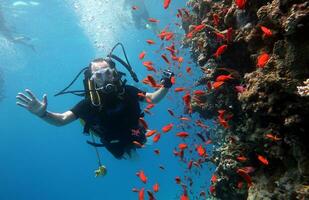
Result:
254,57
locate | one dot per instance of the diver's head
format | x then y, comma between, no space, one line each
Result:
105,76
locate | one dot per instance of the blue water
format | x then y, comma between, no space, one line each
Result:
43,162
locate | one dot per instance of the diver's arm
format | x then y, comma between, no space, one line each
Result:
158,95
58,119
39,108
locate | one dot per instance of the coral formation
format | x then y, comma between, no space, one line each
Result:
254,61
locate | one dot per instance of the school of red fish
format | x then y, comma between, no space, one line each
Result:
195,154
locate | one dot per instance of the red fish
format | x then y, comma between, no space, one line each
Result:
267,32
219,36
179,89
187,100
190,164
147,63
157,137
199,28
245,176
229,34
212,189
155,187
149,106
182,134
142,55
150,41
152,81
224,78
153,20
182,146
142,176
263,160
173,80
184,118
166,3
262,60
199,92
213,178
216,85
169,36
150,133
165,58
143,122
184,197
188,69
240,4
272,137
136,143
241,158
167,128
215,19
200,150
141,194
140,94
220,50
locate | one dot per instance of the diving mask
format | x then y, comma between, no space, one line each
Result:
105,80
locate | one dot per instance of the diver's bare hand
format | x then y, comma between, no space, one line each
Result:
31,103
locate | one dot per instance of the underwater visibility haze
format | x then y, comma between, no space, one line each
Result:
232,78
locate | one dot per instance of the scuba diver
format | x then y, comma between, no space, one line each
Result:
7,33
110,109
140,15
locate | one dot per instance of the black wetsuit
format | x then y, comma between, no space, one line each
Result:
117,120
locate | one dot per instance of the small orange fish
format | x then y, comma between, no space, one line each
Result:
199,92
136,143
167,128
150,133
188,70
213,179
215,19
166,4
148,100
200,150
155,187
224,78
147,63
229,34
182,146
240,4
241,158
182,134
245,176
152,81
263,160
267,32
165,58
184,118
218,84
157,137
179,89
199,28
173,80
169,36
141,194
184,197
272,137
190,164
220,50
142,55
150,41
219,36
212,189
143,123
140,94
180,59
142,176
153,20
262,60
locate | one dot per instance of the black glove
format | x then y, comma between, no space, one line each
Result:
166,79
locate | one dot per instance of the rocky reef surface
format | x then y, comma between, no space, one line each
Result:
255,68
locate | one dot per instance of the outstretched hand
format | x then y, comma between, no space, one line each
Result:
31,103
